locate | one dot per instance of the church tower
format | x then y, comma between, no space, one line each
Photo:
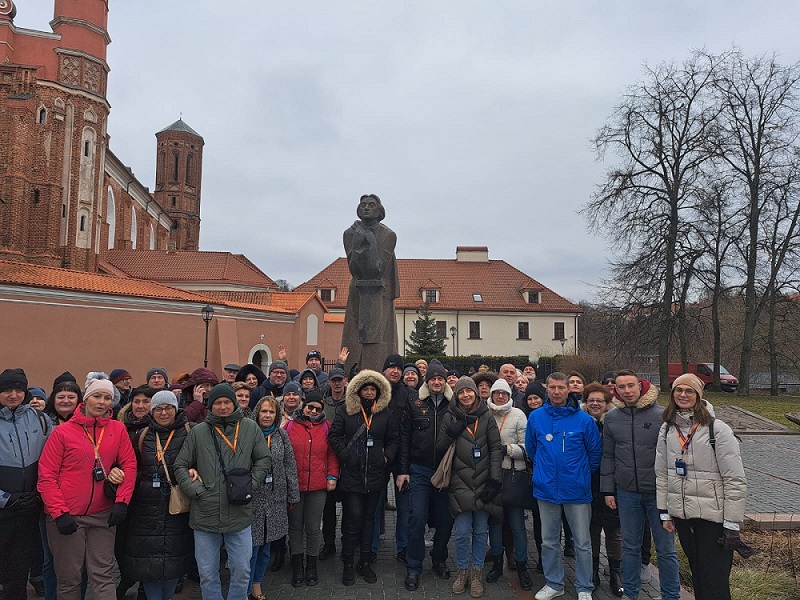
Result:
179,167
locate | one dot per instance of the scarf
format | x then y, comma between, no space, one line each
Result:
503,408
269,430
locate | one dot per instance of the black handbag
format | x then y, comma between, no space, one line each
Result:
238,481
518,487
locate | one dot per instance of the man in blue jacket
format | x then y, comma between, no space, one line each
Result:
565,446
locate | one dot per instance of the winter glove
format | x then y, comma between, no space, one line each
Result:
455,428
31,501
118,514
731,540
490,490
66,524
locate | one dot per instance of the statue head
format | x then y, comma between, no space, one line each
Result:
370,208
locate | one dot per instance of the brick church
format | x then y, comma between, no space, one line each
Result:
65,197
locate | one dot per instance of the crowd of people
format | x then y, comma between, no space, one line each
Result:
173,480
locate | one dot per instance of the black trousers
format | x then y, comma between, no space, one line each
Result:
709,561
605,519
358,517
329,518
17,535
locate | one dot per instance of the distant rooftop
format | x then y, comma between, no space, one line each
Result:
180,125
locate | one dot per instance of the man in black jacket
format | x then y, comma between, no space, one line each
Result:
418,461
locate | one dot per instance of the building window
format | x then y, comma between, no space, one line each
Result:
83,223
533,297
474,330
174,167
477,297
431,296
111,218
523,330
133,228
326,294
63,211
42,116
441,329
558,330
161,169
189,160
152,237
36,196
174,200
86,148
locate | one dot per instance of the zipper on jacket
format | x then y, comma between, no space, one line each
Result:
91,494
19,440
633,451
11,441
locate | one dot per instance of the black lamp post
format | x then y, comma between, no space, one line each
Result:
208,314
453,332
563,341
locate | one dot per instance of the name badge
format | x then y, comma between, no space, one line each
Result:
156,481
268,478
476,452
680,467
370,442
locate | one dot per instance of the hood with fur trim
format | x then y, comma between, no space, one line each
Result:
353,400
425,392
649,396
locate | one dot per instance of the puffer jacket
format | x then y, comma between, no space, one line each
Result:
565,447
714,488
313,455
133,425
420,432
23,433
469,477
511,423
158,543
270,519
365,468
65,468
629,444
210,508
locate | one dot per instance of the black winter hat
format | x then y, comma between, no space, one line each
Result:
314,396
13,379
65,376
534,387
221,390
435,368
393,360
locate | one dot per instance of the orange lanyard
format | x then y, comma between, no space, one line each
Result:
686,440
503,422
269,441
368,422
235,437
474,430
96,444
160,452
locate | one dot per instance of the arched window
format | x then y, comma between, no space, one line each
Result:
42,119
175,167
152,237
133,228
312,324
111,218
189,165
161,168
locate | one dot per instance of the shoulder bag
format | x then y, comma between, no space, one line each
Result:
178,501
238,481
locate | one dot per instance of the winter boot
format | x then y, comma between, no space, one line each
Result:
365,570
525,581
349,573
311,570
461,582
298,577
475,582
615,578
280,555
497,569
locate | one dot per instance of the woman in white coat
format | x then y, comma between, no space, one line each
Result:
700,486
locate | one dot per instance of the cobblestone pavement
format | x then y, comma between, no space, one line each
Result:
772,467
743,421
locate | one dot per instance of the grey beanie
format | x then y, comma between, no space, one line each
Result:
465,382
279,364
163,397
155,370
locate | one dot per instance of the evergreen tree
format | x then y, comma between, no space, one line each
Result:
424,340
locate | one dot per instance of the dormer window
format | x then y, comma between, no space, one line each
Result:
477,297
430,296
532,297
327,294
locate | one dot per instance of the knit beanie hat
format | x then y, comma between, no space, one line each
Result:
313,396
163,397
13,379
466,382
37,392
501,385
535,388
293,386
202,375
118,375
607,375
155,370
693,381
421,361
99,385
393,360
221,390
65,376
279,364
435,368
411,367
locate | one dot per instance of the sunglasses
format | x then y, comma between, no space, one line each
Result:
315,409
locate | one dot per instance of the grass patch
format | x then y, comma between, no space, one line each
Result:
751,584
771,407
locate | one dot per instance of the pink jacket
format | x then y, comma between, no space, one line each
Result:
65,467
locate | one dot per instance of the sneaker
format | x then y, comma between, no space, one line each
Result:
646,576
546,593
584,595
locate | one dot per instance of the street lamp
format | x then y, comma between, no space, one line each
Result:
208,314
453,332
563,341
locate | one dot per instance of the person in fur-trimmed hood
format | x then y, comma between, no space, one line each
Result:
365,436
628,480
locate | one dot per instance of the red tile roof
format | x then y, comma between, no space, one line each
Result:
292,301
499,284
186,266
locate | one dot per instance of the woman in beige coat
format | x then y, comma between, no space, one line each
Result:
700,486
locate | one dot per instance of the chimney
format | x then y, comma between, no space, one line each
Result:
472,254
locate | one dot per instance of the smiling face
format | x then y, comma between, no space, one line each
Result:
467,398
393,374
277,377
534,401
685,397
411,379
291,401
436,384
251,381
65,404
314,363
243,397
369,392
164,414
500,397
596,404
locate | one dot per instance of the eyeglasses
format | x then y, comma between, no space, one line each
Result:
684,391
315,409
163,408
595,401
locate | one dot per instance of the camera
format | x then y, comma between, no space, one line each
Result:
98,473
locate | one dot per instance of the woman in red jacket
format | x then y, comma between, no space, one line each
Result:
83,511
317,473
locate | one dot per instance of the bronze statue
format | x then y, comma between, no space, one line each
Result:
370,327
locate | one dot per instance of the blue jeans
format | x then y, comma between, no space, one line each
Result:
579,516
471,530
516,521
160,590
421,494
403,503
634,508
258,565
239,545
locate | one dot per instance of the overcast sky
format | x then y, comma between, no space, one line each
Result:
471,120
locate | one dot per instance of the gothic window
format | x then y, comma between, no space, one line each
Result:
162,157
42,119
111,218
189,161
174,167
133,228
152,238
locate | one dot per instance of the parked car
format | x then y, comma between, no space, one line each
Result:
705,371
